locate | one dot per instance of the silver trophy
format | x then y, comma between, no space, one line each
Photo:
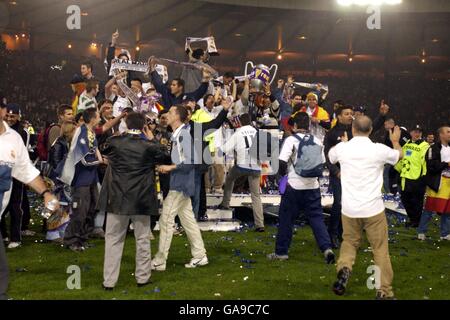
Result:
260,75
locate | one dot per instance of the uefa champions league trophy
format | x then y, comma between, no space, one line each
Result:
260,75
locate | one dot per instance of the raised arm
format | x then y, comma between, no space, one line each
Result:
378,122
111,50
160,87
220,119
246,93
113,122
395,135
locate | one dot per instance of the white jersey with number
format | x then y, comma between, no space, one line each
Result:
241,142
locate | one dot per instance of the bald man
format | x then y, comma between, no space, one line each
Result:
362,162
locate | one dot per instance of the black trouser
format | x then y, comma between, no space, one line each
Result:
4,271
16,213
25,209
164,184
335,223
84,200
412,199
202,207
393,180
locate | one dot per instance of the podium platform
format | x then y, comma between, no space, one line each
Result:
223,220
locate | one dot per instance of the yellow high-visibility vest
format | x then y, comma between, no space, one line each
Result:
413,165
202,116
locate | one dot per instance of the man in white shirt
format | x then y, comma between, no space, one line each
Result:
210,107
301,193
246,165
14,163
362,163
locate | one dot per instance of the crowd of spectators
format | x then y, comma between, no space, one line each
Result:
412,100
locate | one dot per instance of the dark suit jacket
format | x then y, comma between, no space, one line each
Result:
129,184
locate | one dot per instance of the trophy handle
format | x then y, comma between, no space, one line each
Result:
246,67
274,66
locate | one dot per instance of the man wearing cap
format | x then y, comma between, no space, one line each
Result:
18,207
413,169
317,114
14,163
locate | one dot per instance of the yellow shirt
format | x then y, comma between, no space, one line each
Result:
202,116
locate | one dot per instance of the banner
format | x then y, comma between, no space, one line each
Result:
211,44
121,64
314,86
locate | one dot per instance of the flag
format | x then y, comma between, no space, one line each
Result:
79,148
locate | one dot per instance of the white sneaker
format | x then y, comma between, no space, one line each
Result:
177,230
194,263
154,265
446,237
14,245
421,236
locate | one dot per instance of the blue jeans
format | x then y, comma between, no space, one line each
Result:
291,203
425,219
335,225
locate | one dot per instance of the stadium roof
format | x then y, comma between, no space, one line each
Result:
307,34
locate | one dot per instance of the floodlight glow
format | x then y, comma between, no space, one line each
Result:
345,2
368,2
